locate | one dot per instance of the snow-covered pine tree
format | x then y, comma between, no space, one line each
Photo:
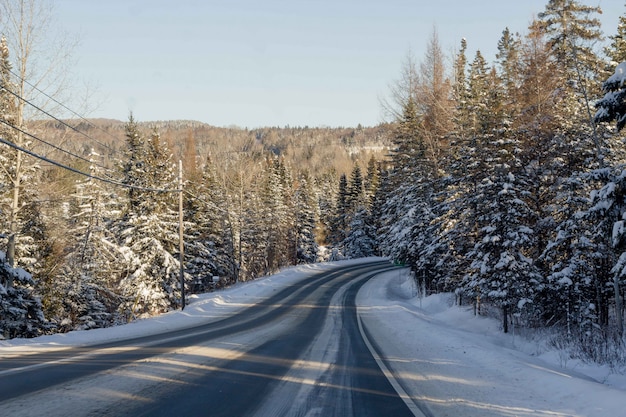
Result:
612,107
372,180
616,51
253,235
409,167
493,205
461,114
425,235
409,150
557,144
280,242
484,97
608,216
21,313
85,287
573,294
609,202
509,63
361,239
454,226
305,221
501,270
209,235
398,217
339,220
148,229
356,191
325,193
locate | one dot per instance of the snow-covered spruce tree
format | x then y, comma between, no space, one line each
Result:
326,190
607,215
573,294
501,271
427,244
305,221
616,51
372,180
480,86
451,227
609,209
409,167
558,144
508,66
85,286
339,222
148,229
480,114
357,240
209,237
494,208
277,218
21,313
612,107
361,240
253,236
356,191
461,115
398,216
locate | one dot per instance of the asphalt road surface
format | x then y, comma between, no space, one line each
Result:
301,352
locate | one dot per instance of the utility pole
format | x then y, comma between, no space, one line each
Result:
181,243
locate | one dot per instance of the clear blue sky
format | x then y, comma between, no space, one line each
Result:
272,62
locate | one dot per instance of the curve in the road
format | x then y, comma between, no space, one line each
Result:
356,383
24,375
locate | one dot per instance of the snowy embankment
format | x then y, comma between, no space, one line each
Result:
460,364
448,359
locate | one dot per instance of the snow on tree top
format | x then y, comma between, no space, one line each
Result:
619,77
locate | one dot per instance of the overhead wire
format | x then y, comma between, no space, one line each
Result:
51,144
59,164
53,117
68,109
95,177
203,201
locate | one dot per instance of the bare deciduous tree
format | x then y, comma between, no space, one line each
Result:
40,58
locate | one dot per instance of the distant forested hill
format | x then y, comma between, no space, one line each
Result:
315,149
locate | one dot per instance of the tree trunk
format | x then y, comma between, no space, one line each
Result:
13,219
618,306
505,318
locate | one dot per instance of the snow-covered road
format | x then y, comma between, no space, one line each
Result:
448,361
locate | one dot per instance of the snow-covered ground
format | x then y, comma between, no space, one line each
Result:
449,359
459,364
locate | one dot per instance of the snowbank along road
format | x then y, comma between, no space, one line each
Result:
301,352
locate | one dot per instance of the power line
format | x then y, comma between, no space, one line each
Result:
50,144
95,177
203,201
66,108
55,118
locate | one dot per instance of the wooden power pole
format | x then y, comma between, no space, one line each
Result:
181,243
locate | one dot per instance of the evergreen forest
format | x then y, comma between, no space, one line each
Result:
503,183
